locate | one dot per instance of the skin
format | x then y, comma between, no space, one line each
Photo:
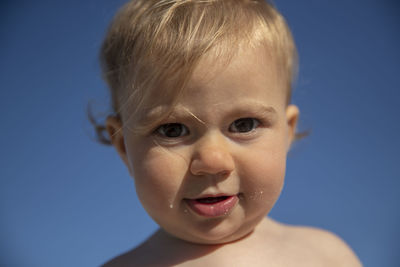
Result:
211,155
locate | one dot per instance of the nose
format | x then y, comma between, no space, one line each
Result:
211,156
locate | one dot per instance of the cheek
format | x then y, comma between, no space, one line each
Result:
263,174
266,173
158,175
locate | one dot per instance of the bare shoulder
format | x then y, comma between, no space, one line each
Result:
129,258
322,245
142,255
160,249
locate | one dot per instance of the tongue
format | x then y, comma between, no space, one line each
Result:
213,207
211,200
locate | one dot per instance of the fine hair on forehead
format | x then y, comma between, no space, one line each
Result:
153,46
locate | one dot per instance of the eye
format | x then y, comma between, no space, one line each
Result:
172,130
244,125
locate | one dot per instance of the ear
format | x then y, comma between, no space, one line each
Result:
115,131
292,117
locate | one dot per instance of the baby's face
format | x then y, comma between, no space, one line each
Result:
212,170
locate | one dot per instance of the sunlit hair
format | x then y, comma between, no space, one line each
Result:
153,46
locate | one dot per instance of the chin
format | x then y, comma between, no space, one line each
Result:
214,232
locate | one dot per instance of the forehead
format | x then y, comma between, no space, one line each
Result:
221,77
248,67
248,79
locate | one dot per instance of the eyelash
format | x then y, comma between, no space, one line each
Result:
254,125
183,130
161,130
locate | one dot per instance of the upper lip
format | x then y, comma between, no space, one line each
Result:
213,195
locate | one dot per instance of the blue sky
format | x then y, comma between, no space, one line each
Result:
67,201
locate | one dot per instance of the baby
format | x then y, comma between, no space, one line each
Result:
201,92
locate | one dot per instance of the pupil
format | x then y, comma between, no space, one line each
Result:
173,130
244,125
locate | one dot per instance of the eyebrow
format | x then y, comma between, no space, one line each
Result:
157,112
253,108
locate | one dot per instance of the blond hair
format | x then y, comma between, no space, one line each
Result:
153,46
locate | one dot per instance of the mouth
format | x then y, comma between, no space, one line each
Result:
213,206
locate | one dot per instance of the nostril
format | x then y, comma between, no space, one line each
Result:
216,168
212,159
224,173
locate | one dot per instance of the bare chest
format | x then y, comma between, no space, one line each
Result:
276,257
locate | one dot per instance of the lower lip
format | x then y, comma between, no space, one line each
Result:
217,209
